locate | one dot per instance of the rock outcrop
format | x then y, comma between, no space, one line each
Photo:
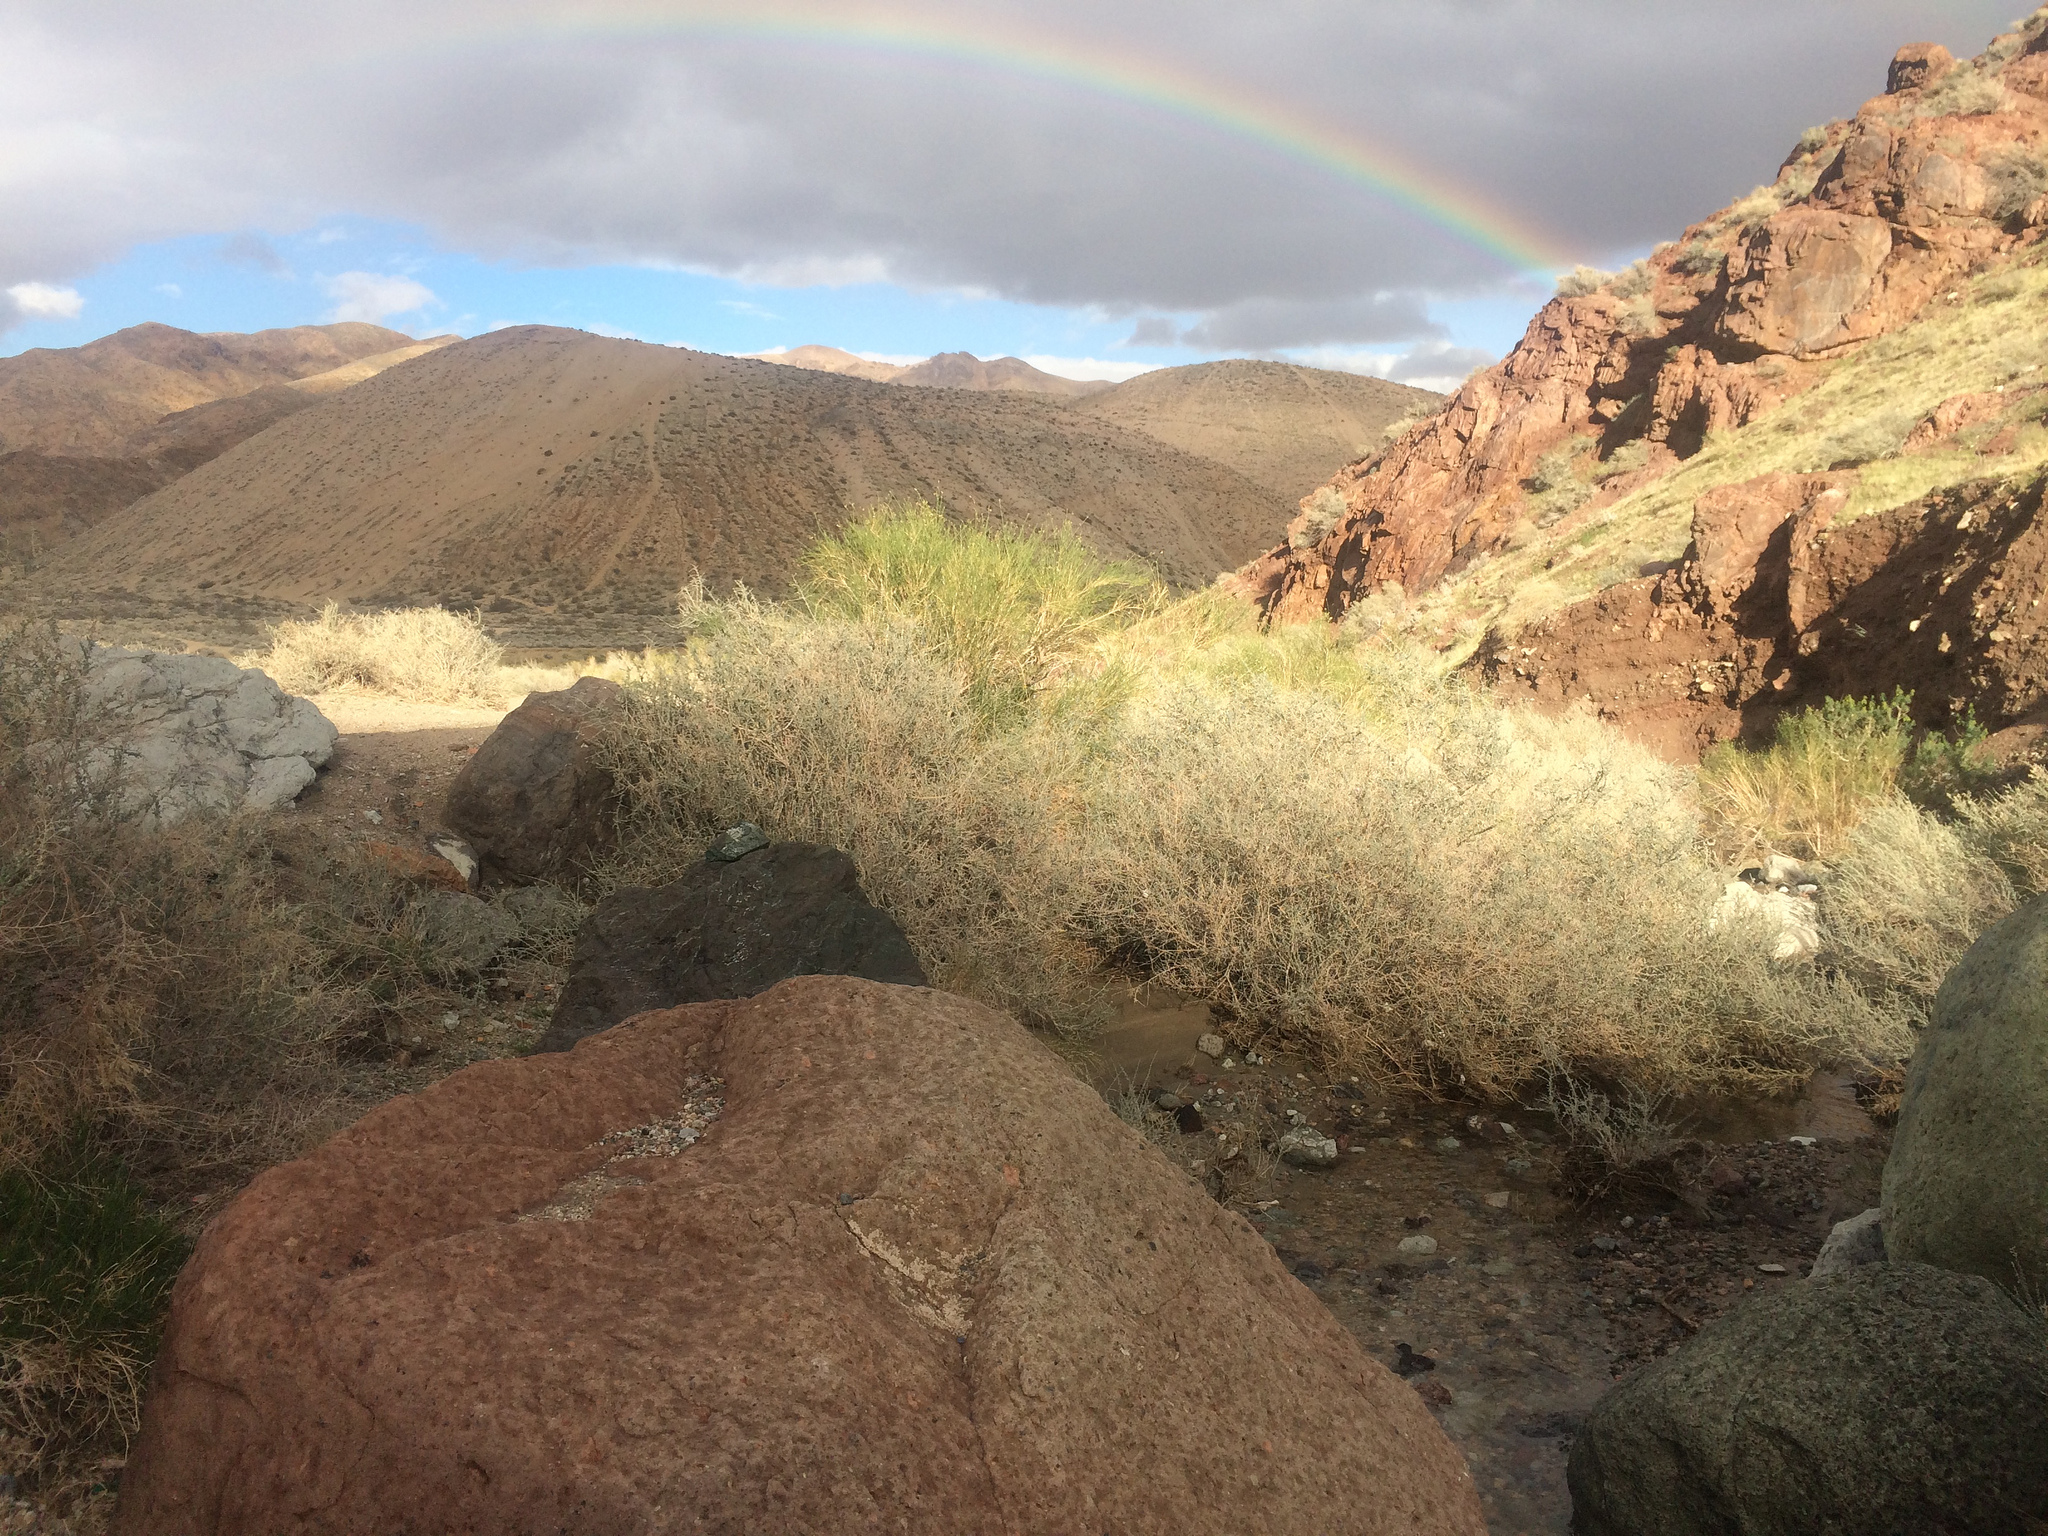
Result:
1889,1398
1867,222
1775,607
900,1270
749,916
188,734
1966,1184
534,802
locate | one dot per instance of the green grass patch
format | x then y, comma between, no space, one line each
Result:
86,1267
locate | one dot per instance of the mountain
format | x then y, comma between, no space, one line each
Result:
547,469
1280,425
1859,340
85,401
79,397
948,370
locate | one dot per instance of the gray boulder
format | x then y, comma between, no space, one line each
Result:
1886,1399
728,928
188,734
534,802
1859,1240
1966,1184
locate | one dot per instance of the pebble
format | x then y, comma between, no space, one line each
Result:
1498,1199
1772,1269
1421,1243
1517,1166
1448,1143
1802,1141
1209,1045
1607,1244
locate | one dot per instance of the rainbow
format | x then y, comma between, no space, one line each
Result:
1424,194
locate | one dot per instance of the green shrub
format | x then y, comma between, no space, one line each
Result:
1325,510
1582,280
1625,460
85,1276
1009,610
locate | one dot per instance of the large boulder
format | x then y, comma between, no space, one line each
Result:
727,928
843,1257
534,801
191,734
1966,1184
1888,1398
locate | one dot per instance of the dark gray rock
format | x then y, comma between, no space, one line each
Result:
736,843
534,801
1886,1399
727,929
1966,1184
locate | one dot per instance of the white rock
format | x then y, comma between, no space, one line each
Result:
1780,870
1421,1243
1306,1147
1785,922
1209,1045
1498,1199
197,733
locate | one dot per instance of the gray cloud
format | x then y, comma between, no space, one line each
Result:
247,250
527,131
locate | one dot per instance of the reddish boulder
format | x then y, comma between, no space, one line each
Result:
534,802
913,1277
1917,65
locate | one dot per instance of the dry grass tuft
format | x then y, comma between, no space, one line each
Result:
1319,834
425,654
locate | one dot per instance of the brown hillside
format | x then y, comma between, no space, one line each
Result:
1625,377
832,360
1283,426
86,400
538,465
963,370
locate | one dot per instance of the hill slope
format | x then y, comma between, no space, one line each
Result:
84,401
1771,336
1286,427
947,370
542,466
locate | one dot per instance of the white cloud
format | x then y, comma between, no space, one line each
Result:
375,297
329,236
1088,367
169,290
45,301
742,307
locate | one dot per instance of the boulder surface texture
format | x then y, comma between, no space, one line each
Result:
1885,1399
198,733
727,929
1966,1183
915,1277
534,801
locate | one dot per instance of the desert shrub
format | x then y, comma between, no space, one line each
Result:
1582,280
1633,281
1625,460
86,1267
1325,510
1699,258
2017,178
1964,91
1009,610
1558,490
1876,436
1749,211
1812,140
1611,1144
1827,766
1321,836
426,654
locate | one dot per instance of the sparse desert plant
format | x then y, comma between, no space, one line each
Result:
1812,140
1325,510
1700,257
1625,460
1965,91
1633,281
2016,178
425,654
1558,491
1610,1144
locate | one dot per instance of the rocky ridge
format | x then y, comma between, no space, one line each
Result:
1623,377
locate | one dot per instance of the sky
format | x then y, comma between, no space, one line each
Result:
1387,186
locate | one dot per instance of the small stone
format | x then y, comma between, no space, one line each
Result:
1772,1269
1852,1244
1498,1199
1166,1102
1228,1063
1209,1045
1518,1166
737,843
1607,1244
1306,1147
1421,1244
1448,1144
1628,1221
459,855
1802,1141
374,818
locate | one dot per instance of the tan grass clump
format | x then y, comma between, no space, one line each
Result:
428,655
